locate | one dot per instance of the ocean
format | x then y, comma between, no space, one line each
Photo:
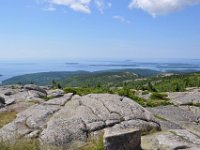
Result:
10,68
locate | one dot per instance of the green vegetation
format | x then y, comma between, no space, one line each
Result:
139,79
116,82
85,91
178,83
33,144
192,104
160,96
21,144
122,92
6,117
95,144
83,78
174,83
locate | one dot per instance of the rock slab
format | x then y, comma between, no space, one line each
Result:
125,139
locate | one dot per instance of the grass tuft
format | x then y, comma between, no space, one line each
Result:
21,144
7,117
95,144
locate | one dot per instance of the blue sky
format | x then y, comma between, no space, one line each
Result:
100,29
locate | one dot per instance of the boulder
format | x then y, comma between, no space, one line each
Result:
24,96
32,119
124,139
171,140
36,94
61,101
55,93
35,88
174,114
9,101
82,116
171,117
2,102
183,98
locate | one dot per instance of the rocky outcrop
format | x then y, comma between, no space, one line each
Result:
87,114
68,121
172,117
28,93
183,98
171,140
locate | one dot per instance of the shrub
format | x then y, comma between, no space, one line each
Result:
70,90
161,96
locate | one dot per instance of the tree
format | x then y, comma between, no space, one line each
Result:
151,88
59,86
54,83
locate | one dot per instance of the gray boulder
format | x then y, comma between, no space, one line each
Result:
180,98
171,140
36,94
2,102
32,119
55,93
61,101
35,88
124,139
178,118
174,114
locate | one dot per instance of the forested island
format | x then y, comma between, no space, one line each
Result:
139,79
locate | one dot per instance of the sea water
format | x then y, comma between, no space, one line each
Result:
14,67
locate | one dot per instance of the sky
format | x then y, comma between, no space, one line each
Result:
121,29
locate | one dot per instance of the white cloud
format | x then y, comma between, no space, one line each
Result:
161,7
121,19
100,5
79,5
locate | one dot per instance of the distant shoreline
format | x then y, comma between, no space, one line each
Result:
13,68
46,78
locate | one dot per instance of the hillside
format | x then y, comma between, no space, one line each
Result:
139,79
83,78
